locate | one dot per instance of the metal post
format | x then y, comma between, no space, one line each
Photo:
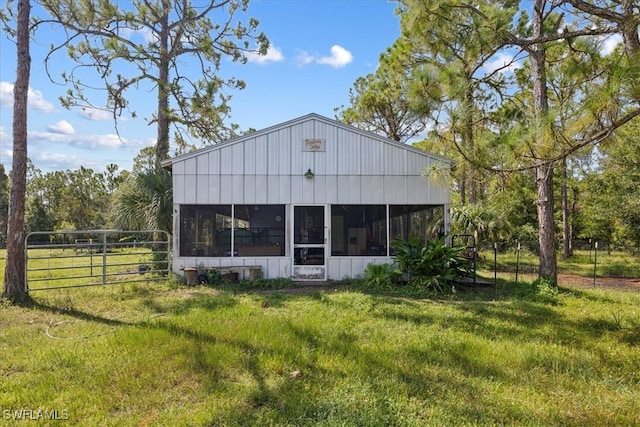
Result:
595,262
495,263
517,261
104,258
91,255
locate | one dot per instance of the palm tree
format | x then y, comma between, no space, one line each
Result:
478,221
145,202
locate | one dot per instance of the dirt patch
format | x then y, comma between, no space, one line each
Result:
611,283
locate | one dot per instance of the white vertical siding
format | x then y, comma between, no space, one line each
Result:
249,153
226,161
237,188
373,157
354,189
258,188
284,190
190,188
178,189
260,155
226,189
343,189
331,189
377,193
250,190
414,187
202,189
332,154
306,195
214,162
269,168
202,165
296,190
215,187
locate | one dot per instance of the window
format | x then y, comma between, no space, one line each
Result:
212,230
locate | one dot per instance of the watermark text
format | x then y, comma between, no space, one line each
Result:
35,414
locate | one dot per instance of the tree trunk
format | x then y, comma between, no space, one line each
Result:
546,223
542,135
468,136
14,276
566,223
463,188
162,144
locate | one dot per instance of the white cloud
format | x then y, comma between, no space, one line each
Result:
37,102
6,94
49,137
303,58
96,114
273,55
105,141
339,57
610,43
144,33
84,141
35,98
502,61
6,158
62,127
55,161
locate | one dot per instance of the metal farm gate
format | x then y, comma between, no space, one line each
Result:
69,259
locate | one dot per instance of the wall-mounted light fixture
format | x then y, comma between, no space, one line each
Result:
308,174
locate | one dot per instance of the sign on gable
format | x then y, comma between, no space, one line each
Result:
313,145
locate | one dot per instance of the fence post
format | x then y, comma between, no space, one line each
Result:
517,260
90,246
595,263
495,263
104,258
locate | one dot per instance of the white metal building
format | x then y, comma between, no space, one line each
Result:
308,199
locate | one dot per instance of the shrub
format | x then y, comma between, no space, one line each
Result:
434,265
378,276
545,290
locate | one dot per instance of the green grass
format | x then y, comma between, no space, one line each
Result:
164,354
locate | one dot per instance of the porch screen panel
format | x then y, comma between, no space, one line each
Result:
259,230
423,221
199,230
358,230
209,230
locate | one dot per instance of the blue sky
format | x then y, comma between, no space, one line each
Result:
318,49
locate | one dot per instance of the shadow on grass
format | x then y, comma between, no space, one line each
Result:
342,379
68,310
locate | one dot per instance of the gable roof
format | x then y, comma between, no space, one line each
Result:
166,164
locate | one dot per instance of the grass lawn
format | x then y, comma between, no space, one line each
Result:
164,354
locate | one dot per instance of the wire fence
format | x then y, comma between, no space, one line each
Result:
591,264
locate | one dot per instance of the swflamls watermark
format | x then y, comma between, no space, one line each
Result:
35,414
